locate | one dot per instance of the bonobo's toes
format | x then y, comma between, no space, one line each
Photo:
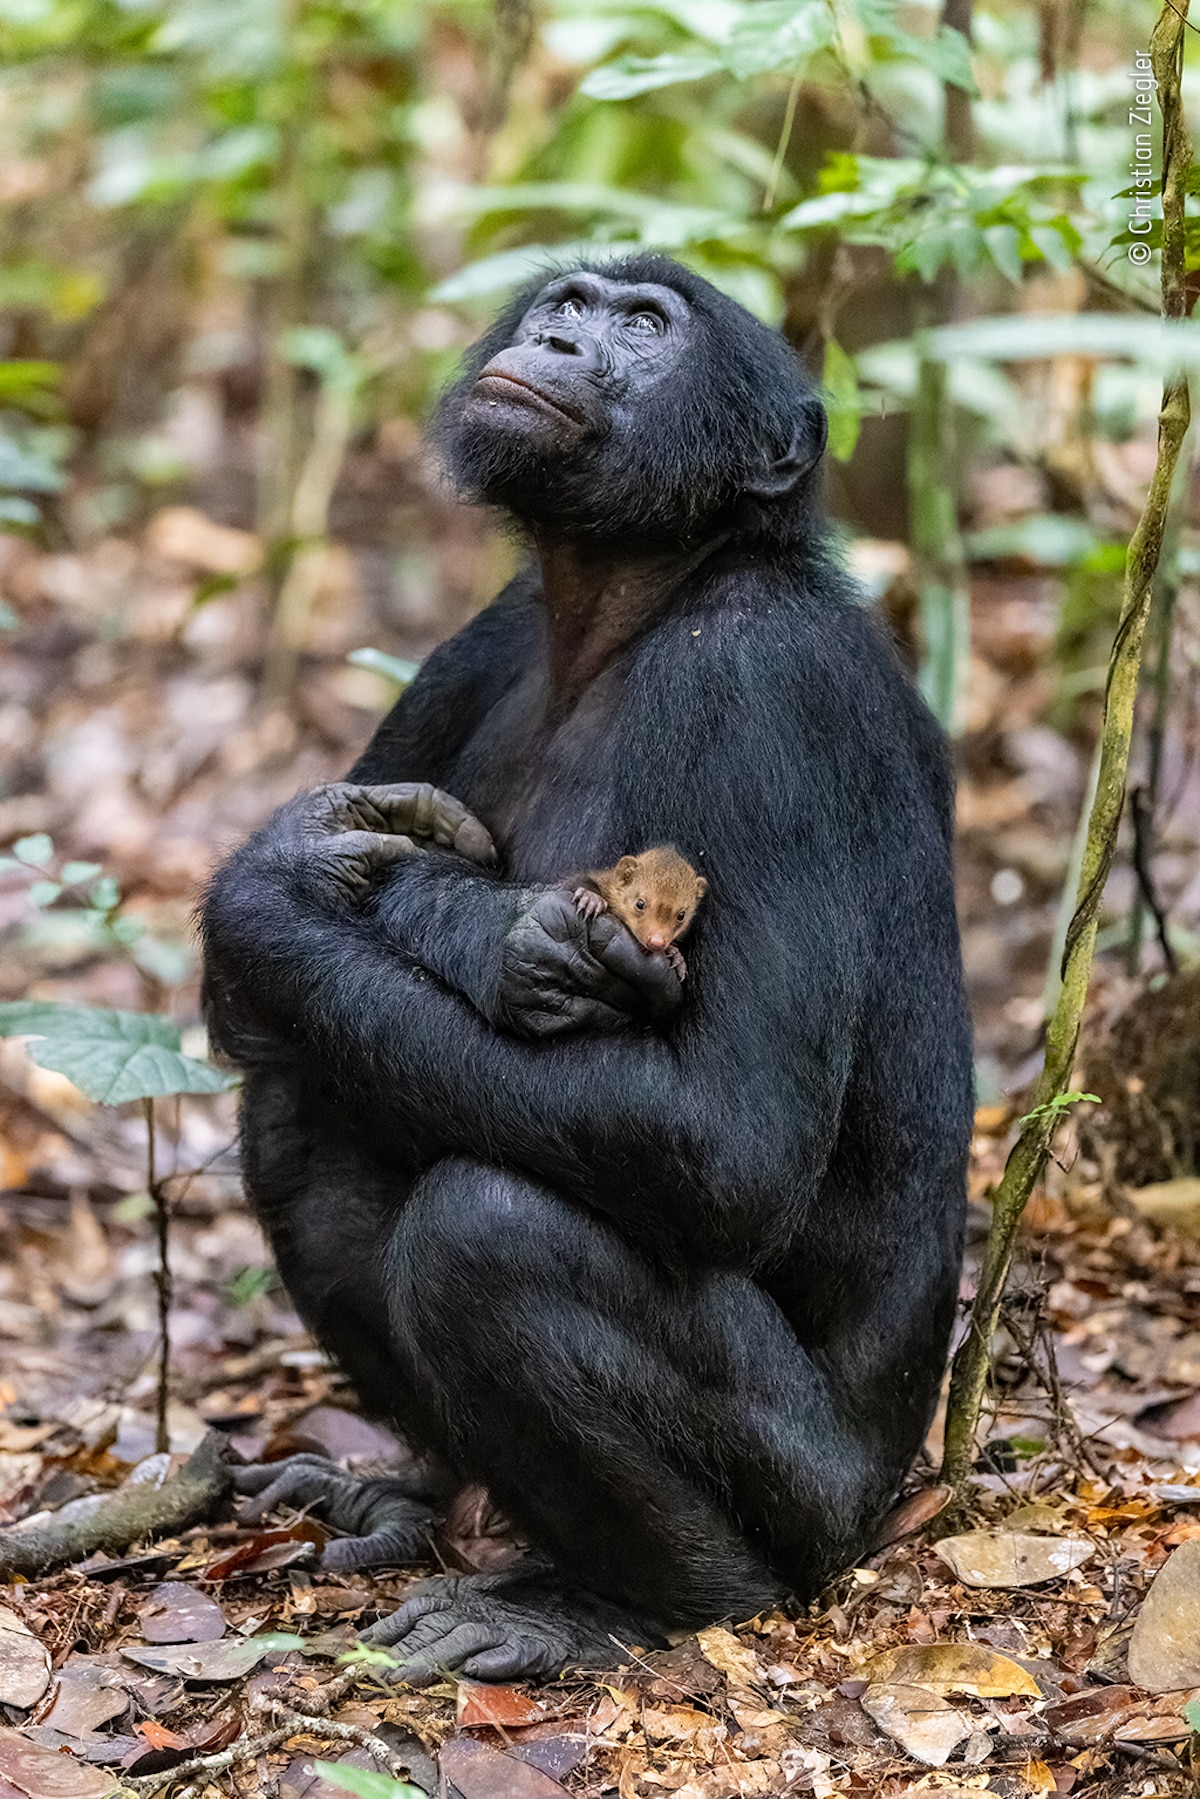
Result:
511,1626
383,1525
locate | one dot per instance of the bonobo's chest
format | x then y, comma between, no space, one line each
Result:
552,785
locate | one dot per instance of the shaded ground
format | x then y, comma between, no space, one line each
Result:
131,736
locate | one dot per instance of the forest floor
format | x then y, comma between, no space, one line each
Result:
997,1661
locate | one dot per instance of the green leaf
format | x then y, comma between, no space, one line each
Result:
632,75
367,1655
112,1057
948,55
1054,1108
26,469
396,668
1051,539
778,34
495,274
28,384
16,511
843,401
35,850
1023,337
74,872
44,893
1191,1714
1004,243
366,1784
105,894
317,348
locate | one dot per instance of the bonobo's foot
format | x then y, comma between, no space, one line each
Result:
674,956
524,1624
382,1522
588,903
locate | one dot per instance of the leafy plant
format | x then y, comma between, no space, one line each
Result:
94,911
112,1057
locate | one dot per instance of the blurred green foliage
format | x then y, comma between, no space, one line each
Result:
365,177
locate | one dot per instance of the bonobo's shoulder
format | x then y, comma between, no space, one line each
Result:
786,620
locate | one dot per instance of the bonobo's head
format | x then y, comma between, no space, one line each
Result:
633,400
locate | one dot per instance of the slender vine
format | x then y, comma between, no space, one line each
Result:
1028,1157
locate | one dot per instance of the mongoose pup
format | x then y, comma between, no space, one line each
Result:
654,895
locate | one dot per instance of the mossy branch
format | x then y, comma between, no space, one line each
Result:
1029,1155
134,1514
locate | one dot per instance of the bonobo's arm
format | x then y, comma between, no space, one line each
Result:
738,1111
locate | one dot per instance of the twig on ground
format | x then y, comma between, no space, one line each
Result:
163,1282
292,1719
1142,809
1047,1376
133,1514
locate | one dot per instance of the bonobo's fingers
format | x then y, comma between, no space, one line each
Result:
404,1538
406,809
384,1525
301,1481
649,972
561,972
352,859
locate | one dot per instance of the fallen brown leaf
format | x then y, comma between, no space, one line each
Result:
952,1668
178,1613
1009,1558
24,1662
45,1774
924,1726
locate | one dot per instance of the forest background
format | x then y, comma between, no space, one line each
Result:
242,244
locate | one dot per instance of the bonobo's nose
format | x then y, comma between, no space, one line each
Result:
555,340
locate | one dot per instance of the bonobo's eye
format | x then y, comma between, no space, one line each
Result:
641,905
650,322
569,308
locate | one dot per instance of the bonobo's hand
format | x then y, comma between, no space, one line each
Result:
561,972
347,834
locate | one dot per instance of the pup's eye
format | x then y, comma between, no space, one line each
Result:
646,321
681,916
641,905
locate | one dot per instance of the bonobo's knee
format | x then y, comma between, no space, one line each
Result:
466,1233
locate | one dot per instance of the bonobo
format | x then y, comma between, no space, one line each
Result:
671,1277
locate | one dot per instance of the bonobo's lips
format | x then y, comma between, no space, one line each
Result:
498,377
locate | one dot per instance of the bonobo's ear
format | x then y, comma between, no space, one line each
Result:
802,454
626,869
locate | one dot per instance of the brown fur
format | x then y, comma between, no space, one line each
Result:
655,896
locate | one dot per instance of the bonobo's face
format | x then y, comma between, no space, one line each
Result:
635,404
583,358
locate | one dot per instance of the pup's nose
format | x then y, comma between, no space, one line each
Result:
656,942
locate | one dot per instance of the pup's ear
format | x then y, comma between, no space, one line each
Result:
701,887
626,869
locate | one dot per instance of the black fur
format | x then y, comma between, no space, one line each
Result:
680,1299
